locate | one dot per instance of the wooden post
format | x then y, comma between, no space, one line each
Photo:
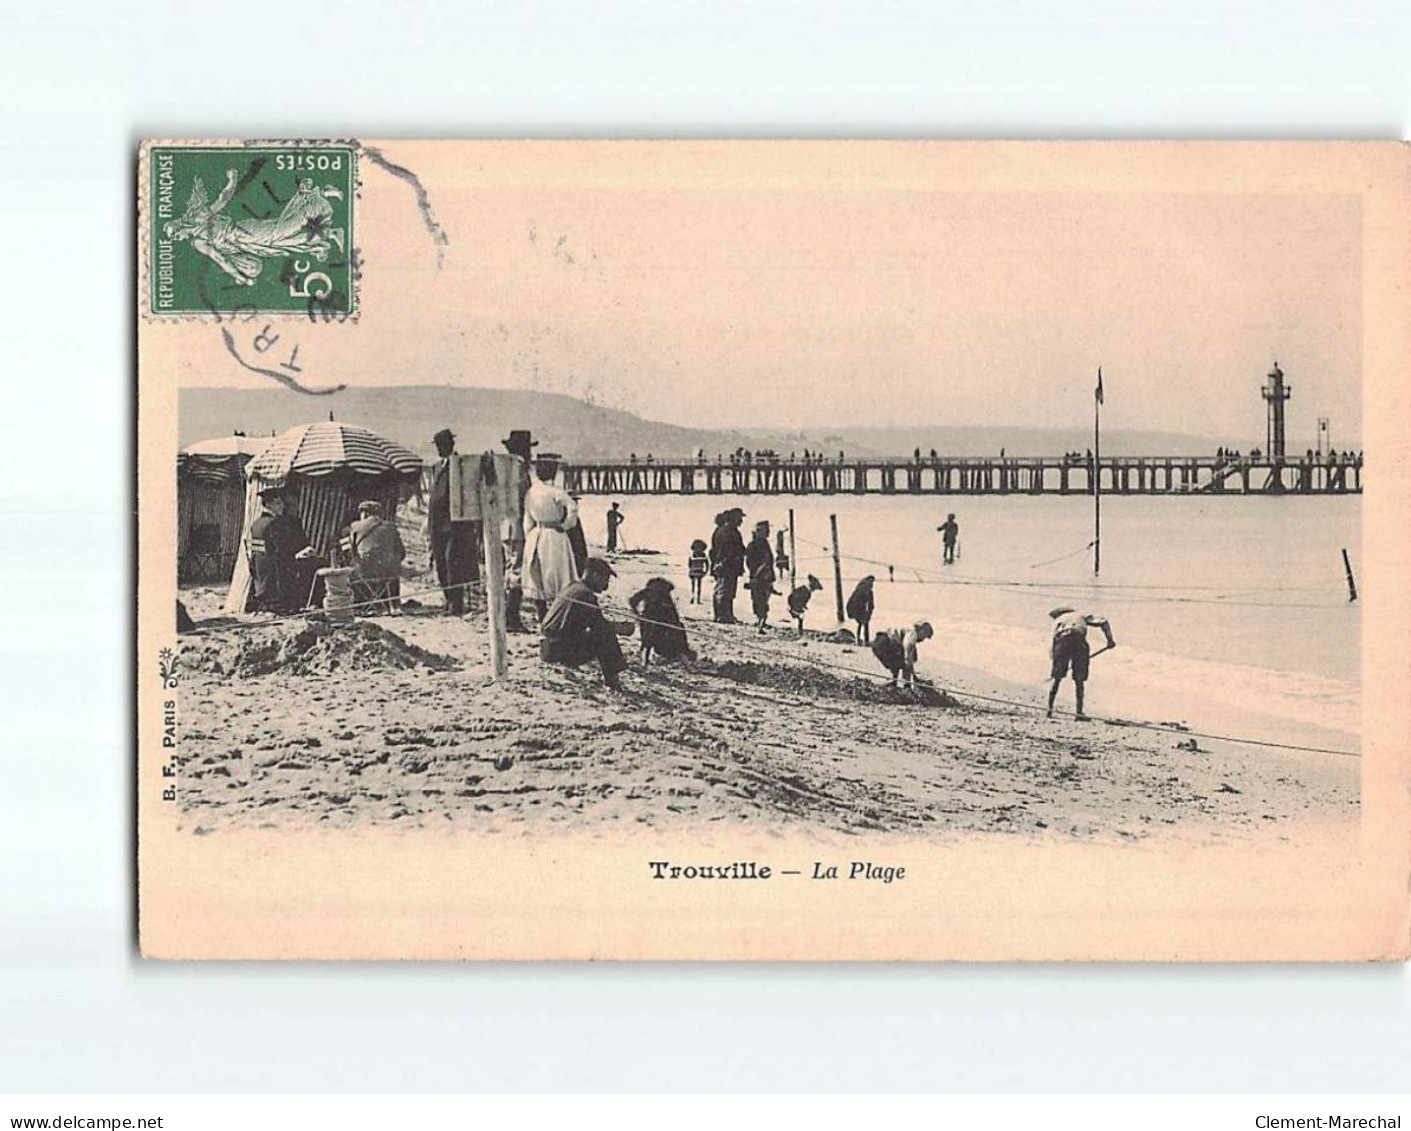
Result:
1351,585
837,568
793,554
492,521
1097,476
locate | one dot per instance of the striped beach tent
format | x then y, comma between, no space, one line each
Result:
210,500
328,447
326,468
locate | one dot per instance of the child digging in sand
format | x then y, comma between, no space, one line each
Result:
895,648
697,566
798,600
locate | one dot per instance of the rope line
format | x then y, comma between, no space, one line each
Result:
721,633
1064,557
1117,591
975,695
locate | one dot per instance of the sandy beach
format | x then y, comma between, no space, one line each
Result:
395,721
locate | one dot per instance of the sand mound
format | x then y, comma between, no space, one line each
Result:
811,681
309,649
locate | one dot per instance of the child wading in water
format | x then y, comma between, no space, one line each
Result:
798,600
697,566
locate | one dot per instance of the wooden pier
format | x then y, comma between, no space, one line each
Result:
969,475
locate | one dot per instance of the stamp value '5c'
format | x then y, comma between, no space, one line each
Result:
251,229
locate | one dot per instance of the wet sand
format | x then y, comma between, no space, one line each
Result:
357,731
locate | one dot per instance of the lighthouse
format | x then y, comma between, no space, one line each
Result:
1276,393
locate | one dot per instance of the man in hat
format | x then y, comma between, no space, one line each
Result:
452,543
575,630
280,554
517,443
727,562
549,511
615,518
1069,649
375,546
759,564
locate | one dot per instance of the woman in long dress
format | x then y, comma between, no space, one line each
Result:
549,513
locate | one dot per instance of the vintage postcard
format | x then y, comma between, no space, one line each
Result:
773,550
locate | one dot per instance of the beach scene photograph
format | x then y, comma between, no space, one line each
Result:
768,496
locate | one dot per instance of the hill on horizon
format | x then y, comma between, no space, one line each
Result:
481,418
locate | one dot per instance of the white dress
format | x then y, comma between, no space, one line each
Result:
548,554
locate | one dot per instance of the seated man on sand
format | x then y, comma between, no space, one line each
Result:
896,649
575,630
376,548
281,571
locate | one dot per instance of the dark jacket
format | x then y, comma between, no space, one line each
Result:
727,552
573,614
279,580
759,563
438,507
662,631
798,600
861,603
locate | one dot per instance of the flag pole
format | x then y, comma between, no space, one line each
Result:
1097,475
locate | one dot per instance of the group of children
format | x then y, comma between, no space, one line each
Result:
895,649
664,634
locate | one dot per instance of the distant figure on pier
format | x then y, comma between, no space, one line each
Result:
950,532
1069,649
759,562
860,606
727,563
798,600
916,455
895,649
615,518
697,566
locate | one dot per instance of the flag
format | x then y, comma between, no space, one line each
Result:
1098,392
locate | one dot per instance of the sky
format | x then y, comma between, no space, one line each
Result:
794,286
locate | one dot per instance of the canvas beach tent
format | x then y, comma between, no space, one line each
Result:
210,505
326,468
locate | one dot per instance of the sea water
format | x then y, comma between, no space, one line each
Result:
1223,608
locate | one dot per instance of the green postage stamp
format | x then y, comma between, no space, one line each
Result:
262,229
